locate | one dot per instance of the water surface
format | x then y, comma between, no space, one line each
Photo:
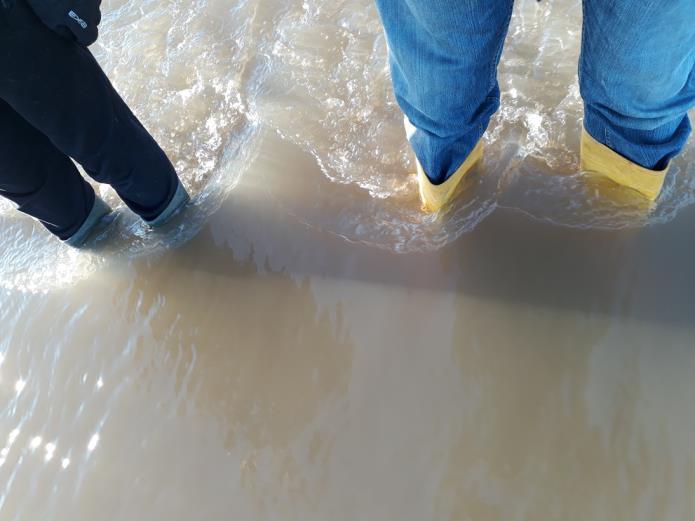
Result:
305,343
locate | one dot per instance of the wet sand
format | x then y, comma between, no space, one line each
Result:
304,344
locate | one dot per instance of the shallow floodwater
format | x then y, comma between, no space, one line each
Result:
305,344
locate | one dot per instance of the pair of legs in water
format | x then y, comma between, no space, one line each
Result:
57,104
636,77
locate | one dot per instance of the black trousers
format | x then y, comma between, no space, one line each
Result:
55,104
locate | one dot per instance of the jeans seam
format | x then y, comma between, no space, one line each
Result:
500,46
580,67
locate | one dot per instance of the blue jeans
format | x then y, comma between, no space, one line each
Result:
636,74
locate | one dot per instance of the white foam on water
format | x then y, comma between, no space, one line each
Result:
186,70
205,76
334,58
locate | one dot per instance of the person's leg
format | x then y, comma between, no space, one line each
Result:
444,56
58,87
43,182
637,79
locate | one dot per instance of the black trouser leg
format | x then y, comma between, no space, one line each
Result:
59,88
43,182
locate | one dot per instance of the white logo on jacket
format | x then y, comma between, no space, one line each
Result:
75,16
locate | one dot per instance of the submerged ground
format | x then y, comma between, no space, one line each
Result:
305,343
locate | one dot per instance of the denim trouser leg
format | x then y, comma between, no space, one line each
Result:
444,56
637,76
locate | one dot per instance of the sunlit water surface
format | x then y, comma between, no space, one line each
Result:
323,351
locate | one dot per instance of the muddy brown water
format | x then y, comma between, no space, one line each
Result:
303,344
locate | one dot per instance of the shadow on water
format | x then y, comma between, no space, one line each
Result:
643,274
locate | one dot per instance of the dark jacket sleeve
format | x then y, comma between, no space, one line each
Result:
74,19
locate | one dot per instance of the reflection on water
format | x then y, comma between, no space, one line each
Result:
260,359
248,391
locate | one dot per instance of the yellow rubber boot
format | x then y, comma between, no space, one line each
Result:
598,158
434,197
